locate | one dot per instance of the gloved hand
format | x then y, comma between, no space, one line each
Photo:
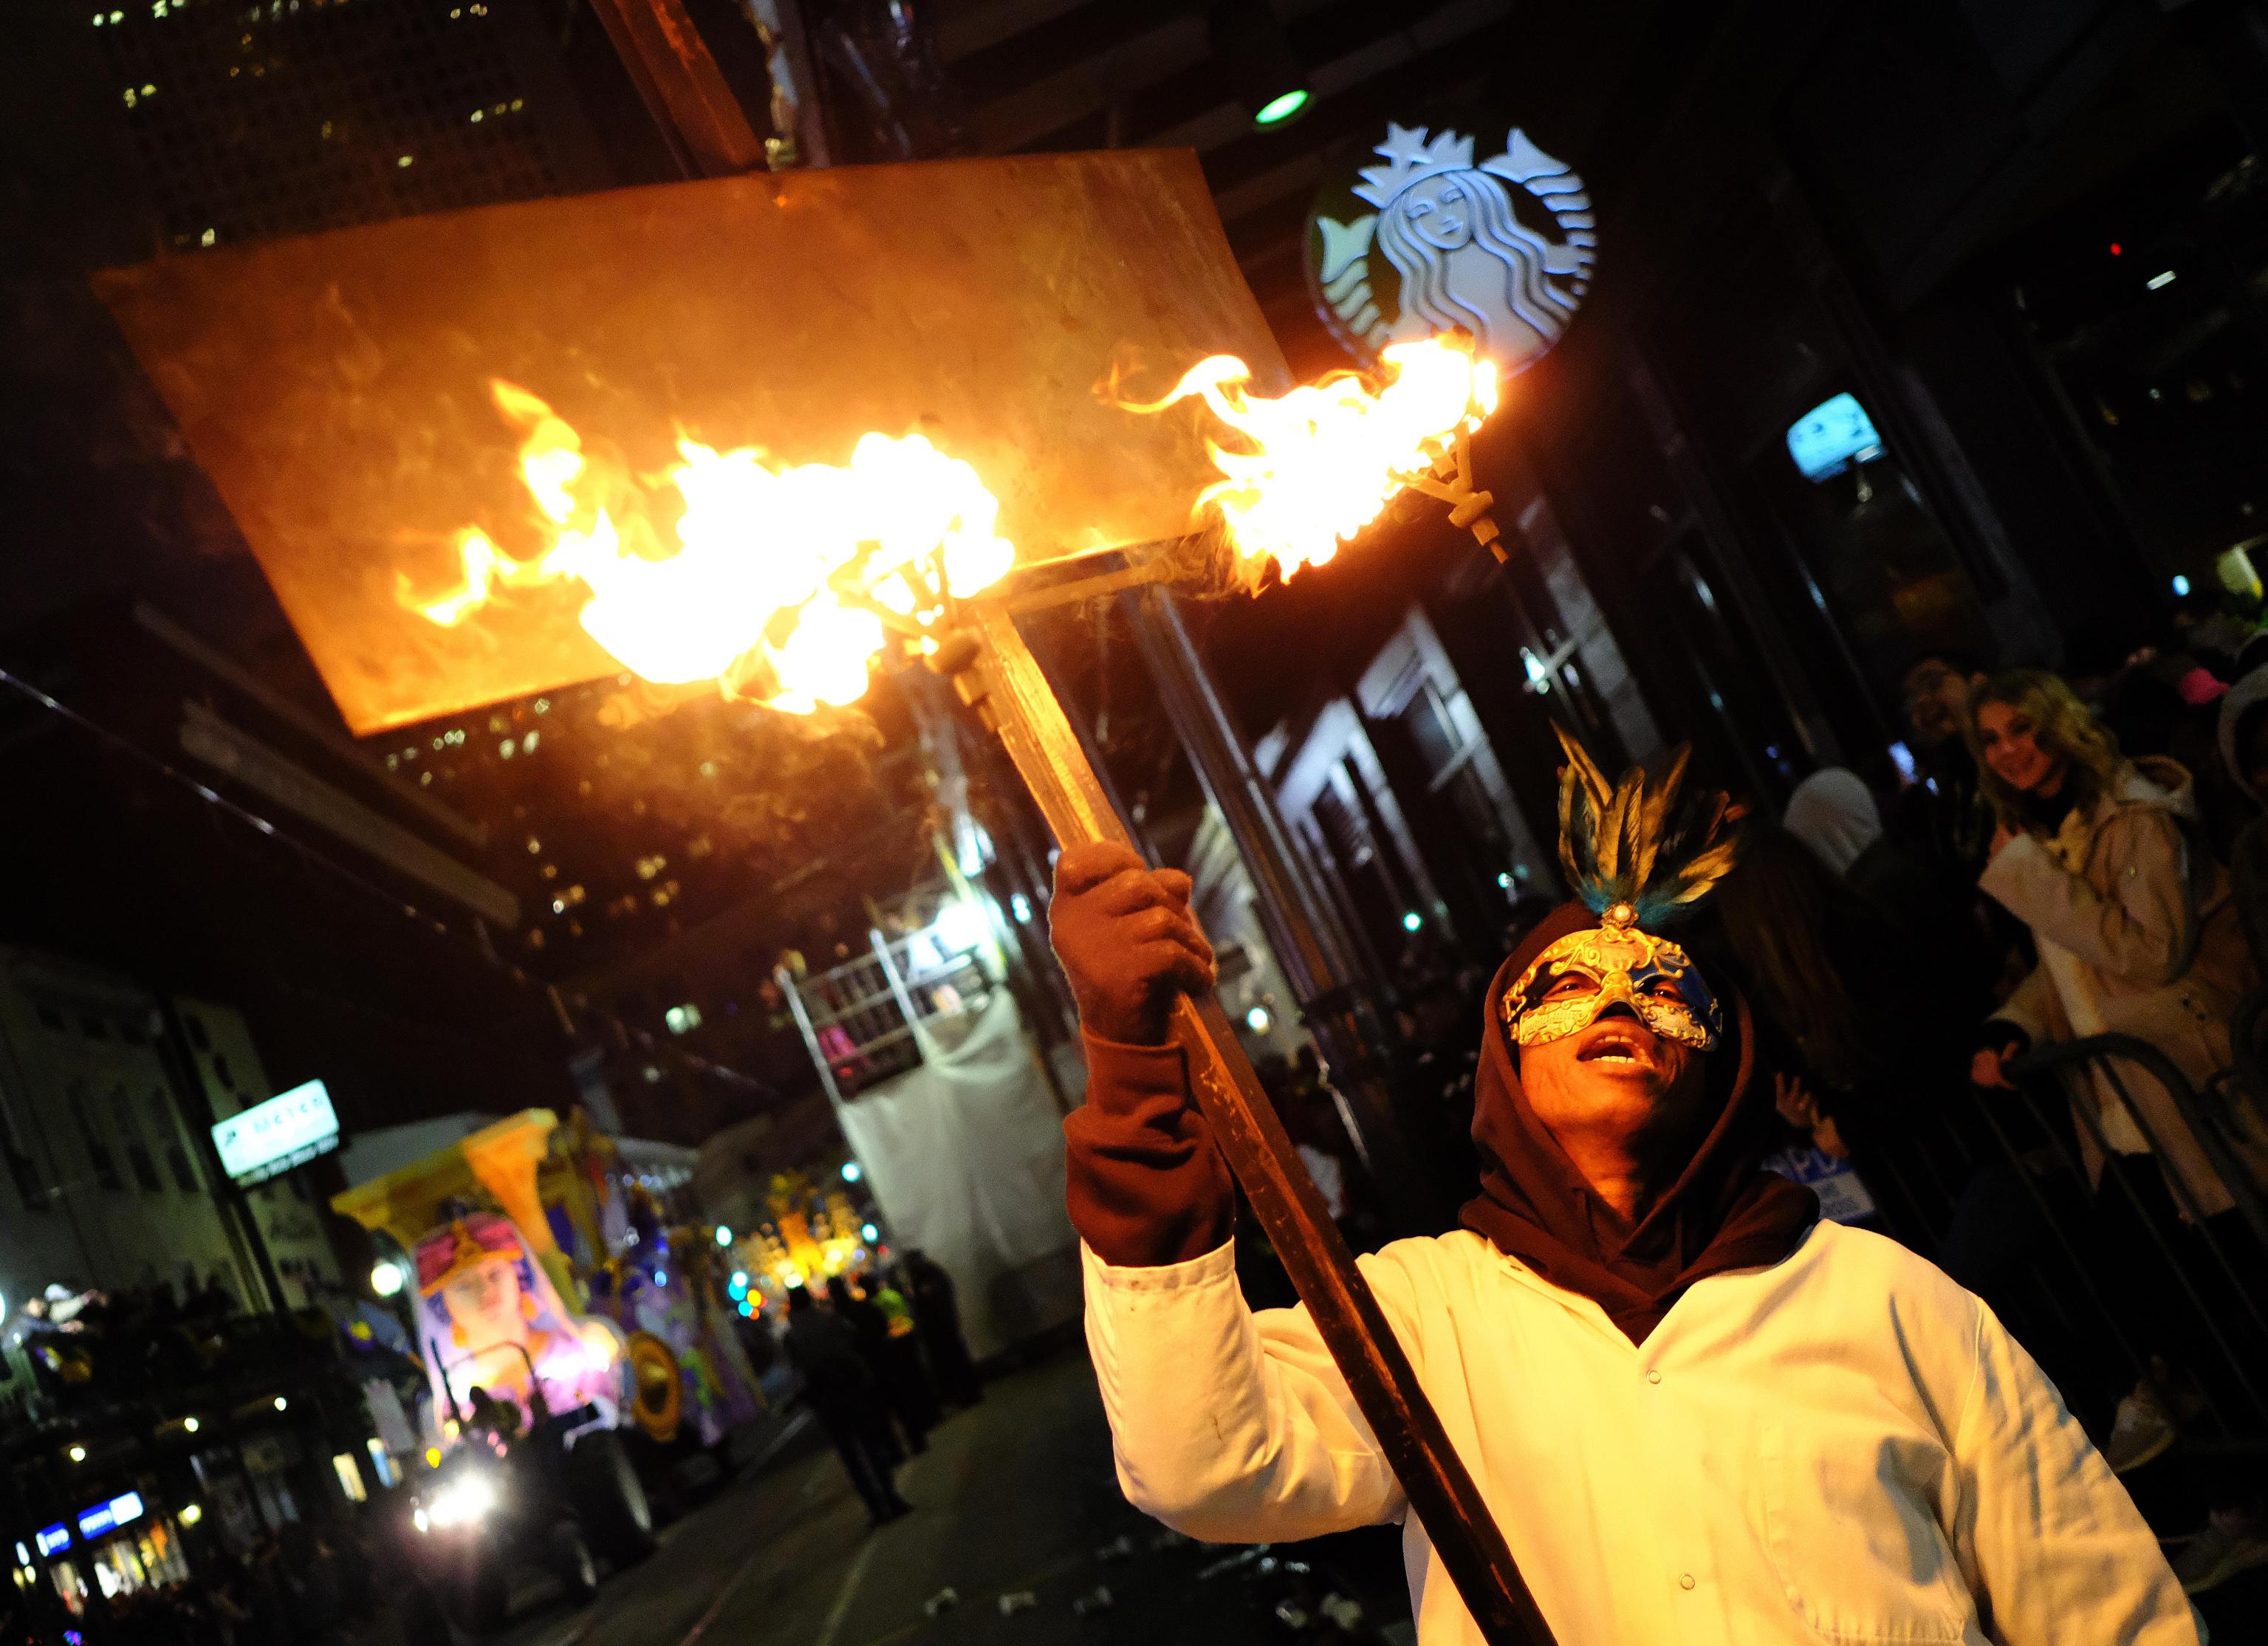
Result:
1144,1183
1127,941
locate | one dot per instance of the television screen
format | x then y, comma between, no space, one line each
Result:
1833,434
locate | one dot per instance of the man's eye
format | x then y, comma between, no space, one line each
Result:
1662,988
1573,983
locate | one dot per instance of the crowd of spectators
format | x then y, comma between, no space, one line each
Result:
2071,858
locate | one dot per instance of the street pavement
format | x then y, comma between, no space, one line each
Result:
1014,1497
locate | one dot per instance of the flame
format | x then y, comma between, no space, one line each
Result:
1326,456
783,583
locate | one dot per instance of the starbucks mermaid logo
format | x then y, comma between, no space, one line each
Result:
1458,253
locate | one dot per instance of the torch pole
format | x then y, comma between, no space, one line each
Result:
1005,684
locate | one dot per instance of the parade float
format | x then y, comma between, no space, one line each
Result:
578,1349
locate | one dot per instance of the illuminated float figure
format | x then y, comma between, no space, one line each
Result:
491,1319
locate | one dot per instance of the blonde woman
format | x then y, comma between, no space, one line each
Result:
2136,934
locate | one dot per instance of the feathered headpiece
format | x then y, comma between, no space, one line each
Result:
1658,854
1638,860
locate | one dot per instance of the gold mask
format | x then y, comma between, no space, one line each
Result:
1653,976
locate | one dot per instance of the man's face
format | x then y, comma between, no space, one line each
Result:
1616,1084
1937,697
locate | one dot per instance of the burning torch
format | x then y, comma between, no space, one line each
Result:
927,340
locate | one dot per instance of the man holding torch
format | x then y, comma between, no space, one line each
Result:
1700,1413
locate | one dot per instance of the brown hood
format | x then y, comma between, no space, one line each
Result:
1724,1212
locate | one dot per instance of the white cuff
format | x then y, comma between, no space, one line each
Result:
1208,1269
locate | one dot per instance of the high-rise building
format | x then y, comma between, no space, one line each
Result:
249,121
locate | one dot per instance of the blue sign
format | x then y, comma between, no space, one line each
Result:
1826,439
92,1522
53,1540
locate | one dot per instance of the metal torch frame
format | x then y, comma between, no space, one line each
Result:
996,674
979,646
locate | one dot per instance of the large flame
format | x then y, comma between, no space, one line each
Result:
783,583
1322,460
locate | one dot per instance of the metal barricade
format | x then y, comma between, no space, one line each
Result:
2062,1090
857,1019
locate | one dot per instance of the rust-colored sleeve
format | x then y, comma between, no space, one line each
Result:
1146,1185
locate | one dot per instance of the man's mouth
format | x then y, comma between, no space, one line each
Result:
1614,1046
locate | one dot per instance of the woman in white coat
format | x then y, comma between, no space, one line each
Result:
2102,858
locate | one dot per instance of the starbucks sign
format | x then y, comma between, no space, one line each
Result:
1431,241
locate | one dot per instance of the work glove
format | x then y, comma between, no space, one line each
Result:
1144,1185
1127,941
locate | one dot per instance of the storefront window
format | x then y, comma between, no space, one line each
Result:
1870,549
1850,575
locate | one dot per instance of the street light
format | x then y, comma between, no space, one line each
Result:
851,1172
724,1235
961,926
385,1279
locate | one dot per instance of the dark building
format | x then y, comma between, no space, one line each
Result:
2011,256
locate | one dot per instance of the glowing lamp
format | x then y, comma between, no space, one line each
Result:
961,926
1278,109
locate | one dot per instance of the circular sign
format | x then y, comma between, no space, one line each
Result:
1430,241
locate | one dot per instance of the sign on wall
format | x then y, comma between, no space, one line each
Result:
272,1137
1431,241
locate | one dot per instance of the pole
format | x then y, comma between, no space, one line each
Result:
693,106
1005,684
1303,930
